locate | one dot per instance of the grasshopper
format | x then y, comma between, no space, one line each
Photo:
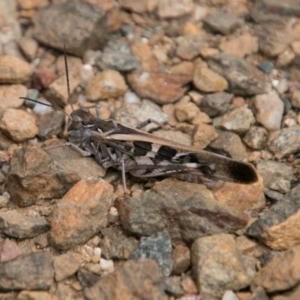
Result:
144,155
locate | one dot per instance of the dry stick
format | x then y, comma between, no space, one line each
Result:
67,76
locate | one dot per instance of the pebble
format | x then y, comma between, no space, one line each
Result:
278,275
240,46
256,137
141,215
19,125
174,9
117,56
209,81
189,47
107,84
134,114
269,110
18,225
81,213
113,215
238,120
229,143
181,258
214,270
34,272
158,247
133,279
265,66
9,250
277,228
3,201
29,47
57,92
50,124
203,135
47,26
43,77
185,111
10,95
229,295
65,265
115,244
242,79
27,186
172,286
14,70
162,88
221,22
296,99
34,295
139,7
276,175
106,266
285,141
216,104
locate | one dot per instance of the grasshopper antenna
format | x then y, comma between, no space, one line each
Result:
46,104
67,75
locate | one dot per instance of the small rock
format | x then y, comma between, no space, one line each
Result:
117,56
14,70
9,250
278,275
107,84
256,137
157,247
229,143
285,142
41,241
17,225
270,110
29,47
209,81
276,175
3,201
296,99
242,79
185,111
241,197
18,124
216,104
203,135
162,88
32,271
278,37
278,227
260,294
133,114
133,279
57,91
196,210
223,23
115,244
48,29
266,66
238,120
229,295
189,47
174,9
65,265
214,270
178,136
189,285
81,213
172,286
240,46
106,266
43,77
28,295
50,124
27,185
138,7
181,258
10,95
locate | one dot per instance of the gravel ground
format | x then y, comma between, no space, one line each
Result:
221,76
